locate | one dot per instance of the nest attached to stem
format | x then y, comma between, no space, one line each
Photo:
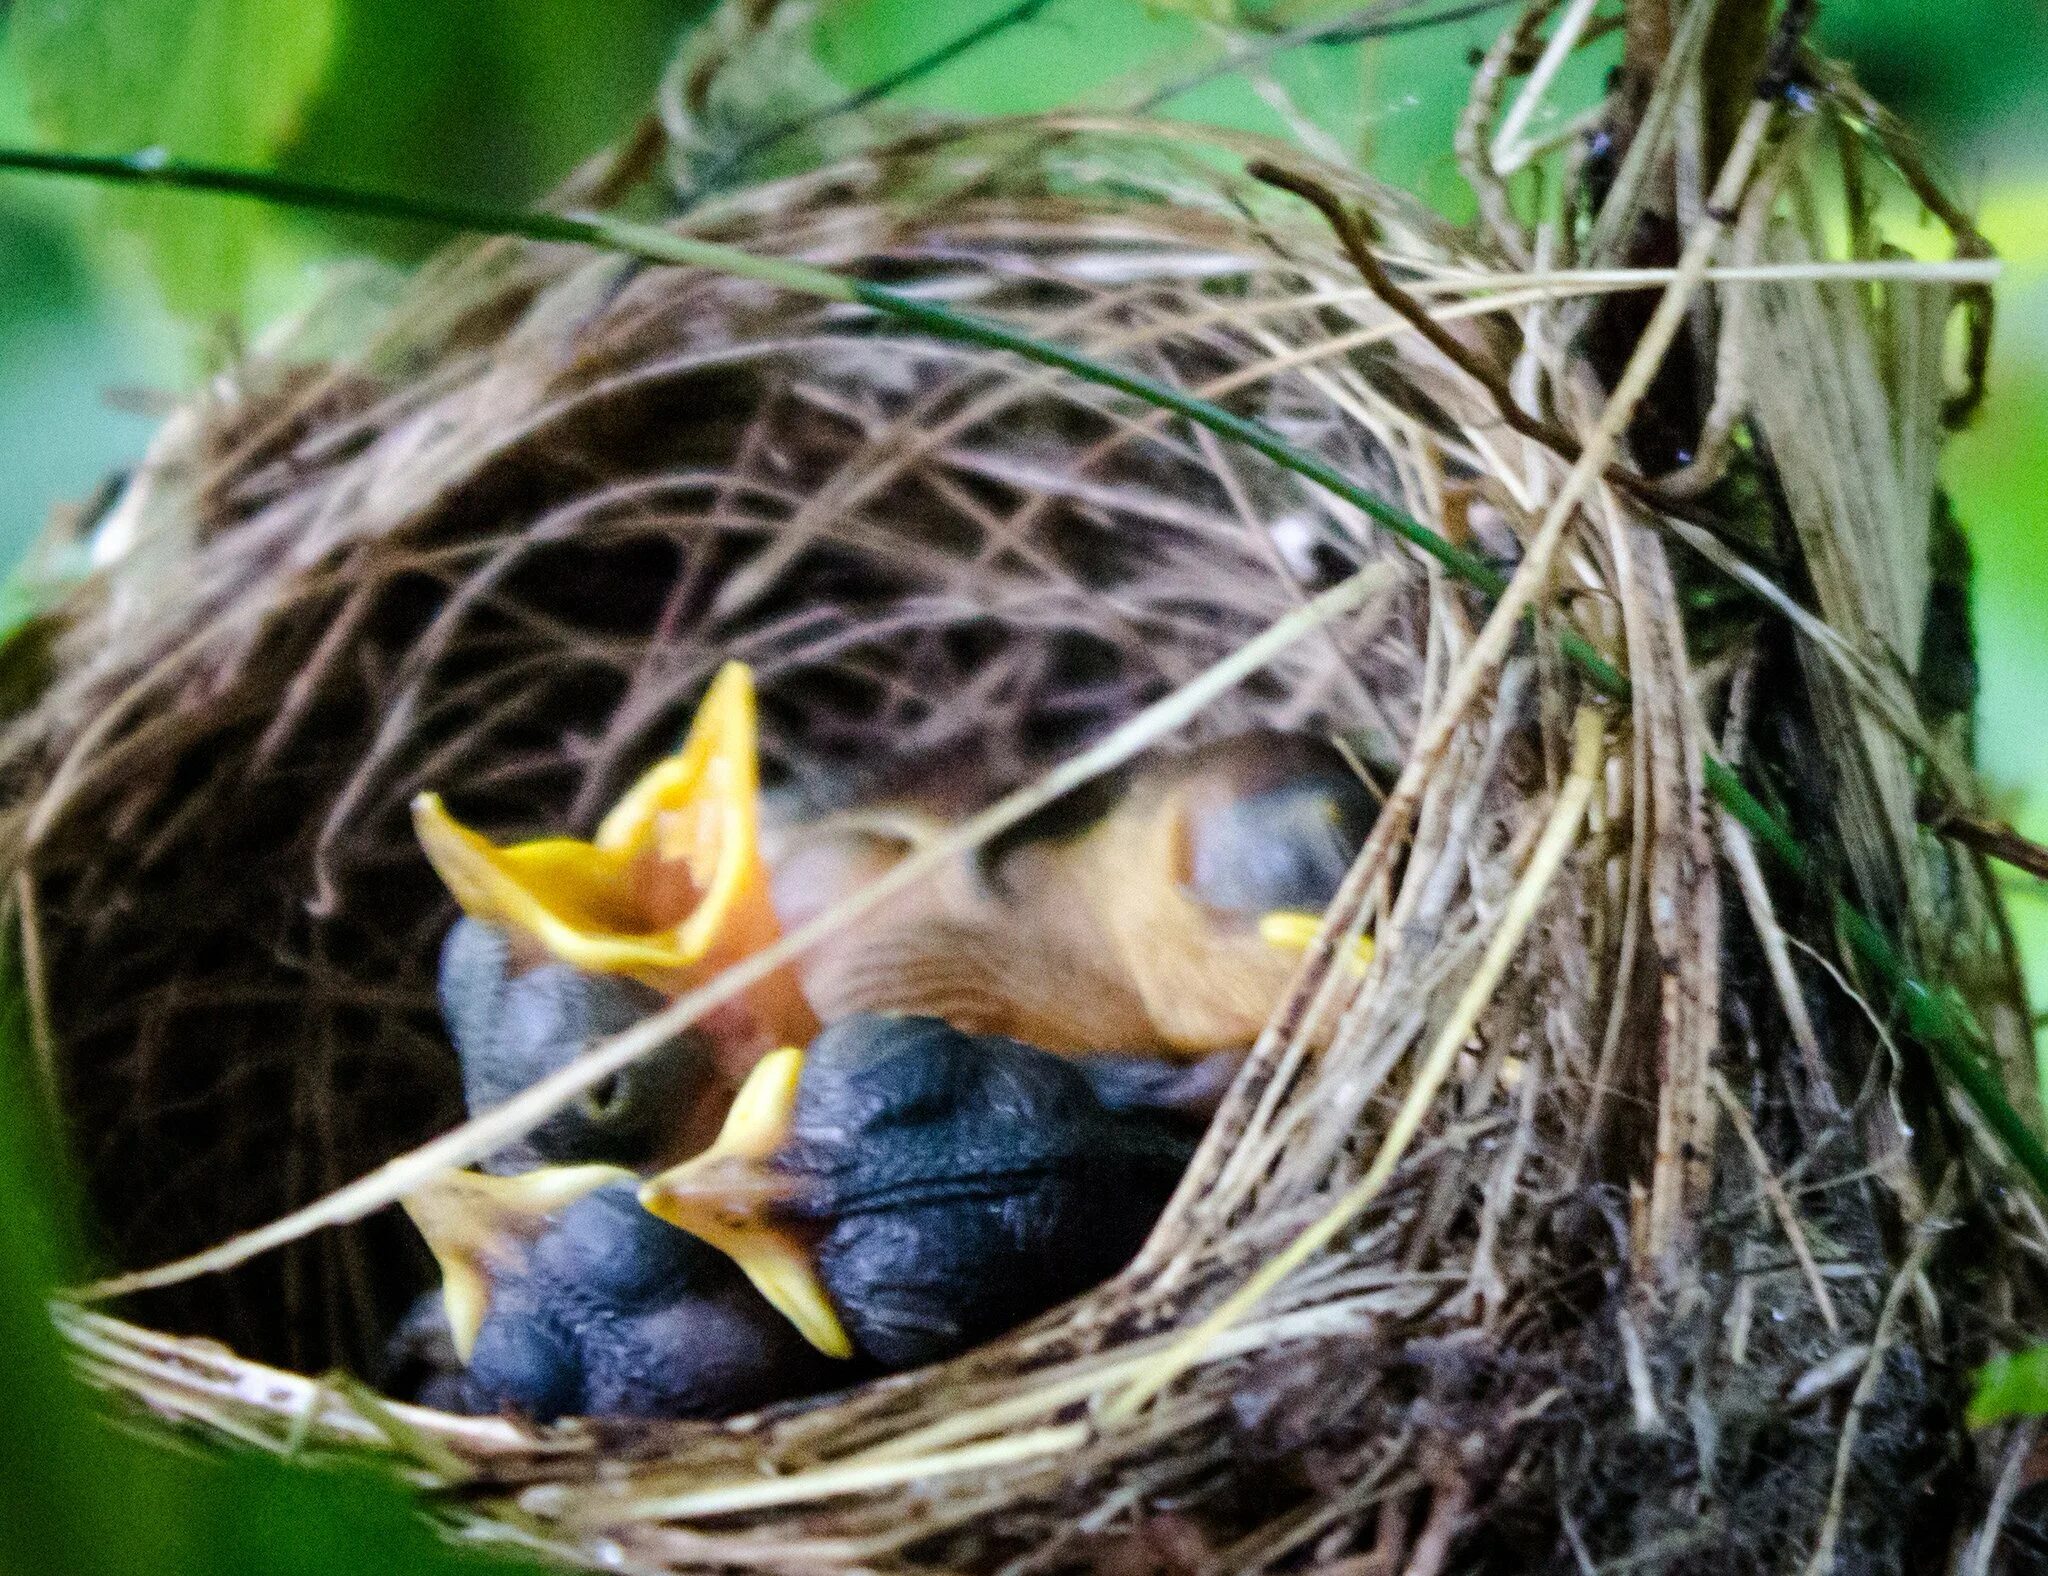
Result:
1670,1265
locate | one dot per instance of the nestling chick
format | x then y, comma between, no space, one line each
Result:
564,1297
1171,924
669,891
563,942
903,1190
513,1029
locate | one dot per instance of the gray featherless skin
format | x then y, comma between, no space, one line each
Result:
963,1184
513,1029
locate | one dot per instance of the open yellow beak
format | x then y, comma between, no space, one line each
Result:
730,1196
479,1227
672,887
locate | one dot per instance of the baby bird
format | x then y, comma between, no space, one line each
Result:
513,1029
565,1298
1170,924
904,1190
670,890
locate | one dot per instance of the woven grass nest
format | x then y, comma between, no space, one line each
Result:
1681,1256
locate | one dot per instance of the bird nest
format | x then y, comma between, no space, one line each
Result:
1595,1219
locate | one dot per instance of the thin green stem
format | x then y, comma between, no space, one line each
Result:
1952,1038
1938,1021
153,168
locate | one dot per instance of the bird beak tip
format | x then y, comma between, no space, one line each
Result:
795,1291
728,1201
465,1283
466,1299
472,1223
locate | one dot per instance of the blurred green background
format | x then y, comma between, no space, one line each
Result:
110,306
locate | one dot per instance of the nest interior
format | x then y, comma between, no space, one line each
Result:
1654,1277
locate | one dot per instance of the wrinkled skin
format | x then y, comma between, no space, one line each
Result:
962,1185
615,1314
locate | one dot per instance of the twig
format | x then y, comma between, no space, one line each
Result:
1897,145
1382,20
757,1493
1504,156
1986,836
1876,270
1823,1560
1635,1367
1468,143
1449,1502
1351,236
1781,1204
1984,1543
36,987
1715,444
1740,853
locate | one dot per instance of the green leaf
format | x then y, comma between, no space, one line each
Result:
221,80
85,1498
493,102
2015,1385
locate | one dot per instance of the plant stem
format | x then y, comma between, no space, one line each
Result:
1939,1022
154,168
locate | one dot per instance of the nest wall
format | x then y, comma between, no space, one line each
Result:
499,552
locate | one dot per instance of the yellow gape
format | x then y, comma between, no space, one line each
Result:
479,1226
728,1196
671,889
1293,929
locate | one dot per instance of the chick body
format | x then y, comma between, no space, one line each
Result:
964,1184
1138,931
946,1186
613,1313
